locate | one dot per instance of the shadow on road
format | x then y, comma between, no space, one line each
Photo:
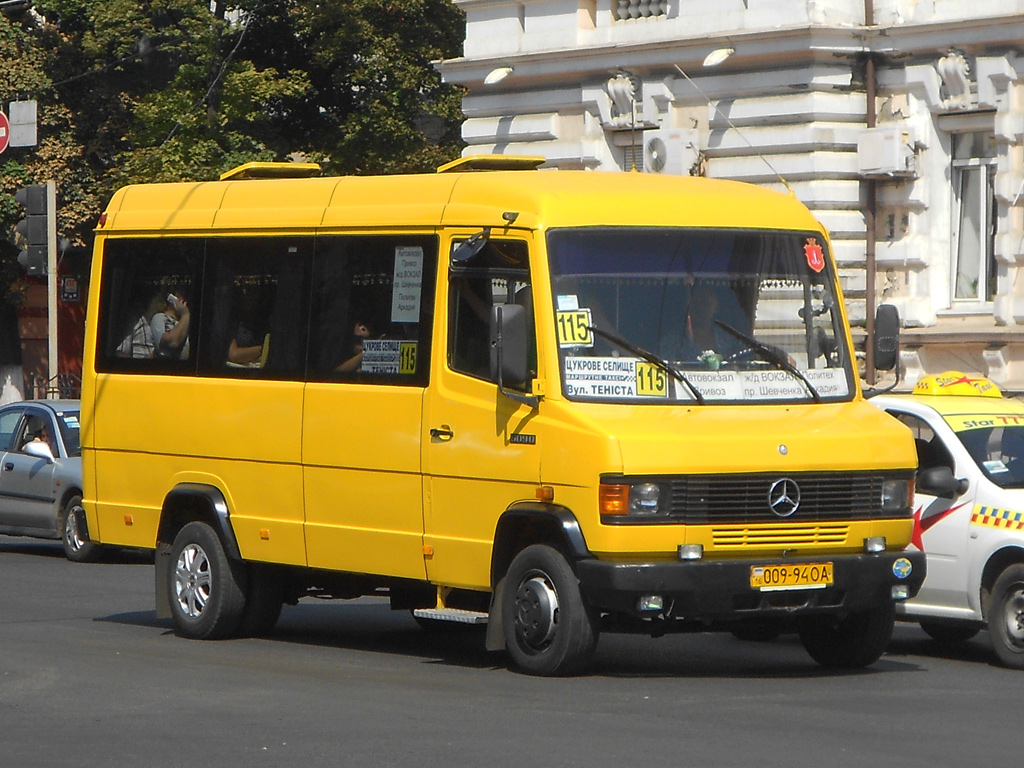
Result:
909,640
369,625
19,545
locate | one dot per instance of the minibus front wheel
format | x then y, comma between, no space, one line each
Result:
853,641
549,630
205,588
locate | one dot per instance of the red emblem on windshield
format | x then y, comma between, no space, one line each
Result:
815,256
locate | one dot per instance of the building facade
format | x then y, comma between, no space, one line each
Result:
899,123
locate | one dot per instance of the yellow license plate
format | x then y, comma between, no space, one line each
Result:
792,576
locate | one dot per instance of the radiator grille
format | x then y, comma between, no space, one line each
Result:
730,499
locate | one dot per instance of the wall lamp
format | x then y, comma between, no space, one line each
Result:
498,74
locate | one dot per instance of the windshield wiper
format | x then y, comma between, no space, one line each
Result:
772,355
650,358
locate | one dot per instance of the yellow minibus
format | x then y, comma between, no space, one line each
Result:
554,402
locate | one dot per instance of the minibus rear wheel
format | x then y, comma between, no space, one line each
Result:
206,589
264,599
549,630
850,642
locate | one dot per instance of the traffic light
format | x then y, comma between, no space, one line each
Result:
34,228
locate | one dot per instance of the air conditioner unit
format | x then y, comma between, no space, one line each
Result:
670,151
885,151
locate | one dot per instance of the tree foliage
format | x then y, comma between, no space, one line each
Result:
132,91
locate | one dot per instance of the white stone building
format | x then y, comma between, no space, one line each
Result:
922,185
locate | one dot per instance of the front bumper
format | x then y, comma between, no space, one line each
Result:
711,591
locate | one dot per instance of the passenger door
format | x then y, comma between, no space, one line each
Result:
369,361
480,452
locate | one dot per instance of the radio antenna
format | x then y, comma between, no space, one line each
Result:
739,133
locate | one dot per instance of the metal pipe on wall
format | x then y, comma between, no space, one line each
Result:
870,192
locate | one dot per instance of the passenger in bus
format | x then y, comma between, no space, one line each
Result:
360,332
170,328
139,343
251,342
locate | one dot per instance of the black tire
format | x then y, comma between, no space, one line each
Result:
1006,617
959,632
73,534
548,628
264,598
851,642
206,589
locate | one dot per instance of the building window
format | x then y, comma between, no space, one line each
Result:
974,217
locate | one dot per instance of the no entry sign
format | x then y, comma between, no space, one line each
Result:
5,131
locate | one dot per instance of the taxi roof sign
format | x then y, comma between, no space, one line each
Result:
957,383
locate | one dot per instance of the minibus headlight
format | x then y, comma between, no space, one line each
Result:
895,495
644,499
637,500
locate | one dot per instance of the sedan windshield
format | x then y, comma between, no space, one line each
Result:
656,315
67,421
996,443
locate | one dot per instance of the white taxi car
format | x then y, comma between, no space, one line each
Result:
968,509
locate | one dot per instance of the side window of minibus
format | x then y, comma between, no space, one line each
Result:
257,290
372,309
499,273
148,305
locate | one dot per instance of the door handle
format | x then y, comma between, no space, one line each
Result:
443,433
8,467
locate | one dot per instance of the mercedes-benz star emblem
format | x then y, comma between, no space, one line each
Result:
784,497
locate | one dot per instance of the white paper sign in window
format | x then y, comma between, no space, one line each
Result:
407,285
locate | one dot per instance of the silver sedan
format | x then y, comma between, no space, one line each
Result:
41,474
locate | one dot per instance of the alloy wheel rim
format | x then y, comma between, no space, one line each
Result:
192,581
71,533
1014,616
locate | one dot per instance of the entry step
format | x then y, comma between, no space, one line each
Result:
451,614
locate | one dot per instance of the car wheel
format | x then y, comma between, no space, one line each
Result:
949,633
1006,617
850,642
206,589
73,533
549,630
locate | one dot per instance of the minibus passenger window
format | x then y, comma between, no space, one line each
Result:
372,307
258,299
149,305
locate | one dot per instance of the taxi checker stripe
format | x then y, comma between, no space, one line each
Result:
997,518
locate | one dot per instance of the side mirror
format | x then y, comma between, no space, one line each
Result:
510,350
887,337
40,450
939,481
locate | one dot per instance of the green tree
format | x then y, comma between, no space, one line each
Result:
169,90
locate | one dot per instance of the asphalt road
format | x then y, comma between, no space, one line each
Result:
88,677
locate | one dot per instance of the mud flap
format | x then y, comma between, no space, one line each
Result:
495,640
162,564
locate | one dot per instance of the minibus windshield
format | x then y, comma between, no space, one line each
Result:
650,315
